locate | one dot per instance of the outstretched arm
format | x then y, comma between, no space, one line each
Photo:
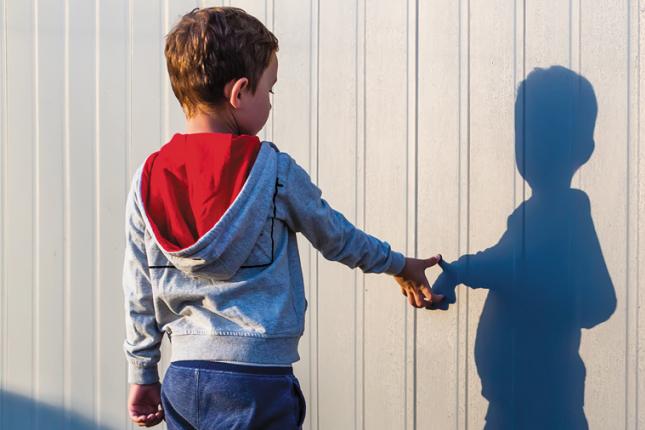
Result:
301,206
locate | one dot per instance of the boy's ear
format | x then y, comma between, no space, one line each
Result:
233,91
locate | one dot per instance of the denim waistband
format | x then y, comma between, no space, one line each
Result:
231,367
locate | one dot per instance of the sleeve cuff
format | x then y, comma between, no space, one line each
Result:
397,264
142,375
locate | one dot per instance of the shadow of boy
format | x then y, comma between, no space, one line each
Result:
546,276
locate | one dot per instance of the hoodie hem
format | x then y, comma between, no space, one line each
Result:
240,349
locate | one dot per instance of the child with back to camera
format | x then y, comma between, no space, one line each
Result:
211,254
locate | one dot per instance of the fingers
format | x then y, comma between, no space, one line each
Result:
143,419
411,300
148,420
416,298
430,296
423,297
437,299
432,260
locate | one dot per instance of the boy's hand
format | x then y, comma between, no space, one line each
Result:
144,404
414,283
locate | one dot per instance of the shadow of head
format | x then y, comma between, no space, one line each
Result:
555,116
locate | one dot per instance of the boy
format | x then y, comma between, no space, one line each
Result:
211,254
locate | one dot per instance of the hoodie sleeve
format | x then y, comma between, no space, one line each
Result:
303,209
143,337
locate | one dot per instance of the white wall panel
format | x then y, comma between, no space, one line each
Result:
404,113
50,160
112,139
19,188
385,354
438,334
336,176
81,211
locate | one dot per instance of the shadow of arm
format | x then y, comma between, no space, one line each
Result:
485,269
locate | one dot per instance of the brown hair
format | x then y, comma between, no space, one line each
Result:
208,48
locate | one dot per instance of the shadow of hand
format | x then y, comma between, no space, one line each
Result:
445,285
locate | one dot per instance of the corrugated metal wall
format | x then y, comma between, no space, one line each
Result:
404,114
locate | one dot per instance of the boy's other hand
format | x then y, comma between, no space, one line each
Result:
414,283
144,404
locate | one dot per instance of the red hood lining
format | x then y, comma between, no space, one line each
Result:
188,185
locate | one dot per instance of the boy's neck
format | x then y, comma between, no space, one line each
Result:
211,123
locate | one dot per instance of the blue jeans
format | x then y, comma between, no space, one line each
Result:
200,395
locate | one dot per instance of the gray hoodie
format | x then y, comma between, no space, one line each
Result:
237,293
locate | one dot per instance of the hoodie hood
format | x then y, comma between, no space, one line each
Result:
205,198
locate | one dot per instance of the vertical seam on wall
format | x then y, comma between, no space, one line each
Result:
579,71
416,183
579,36
313,367
464,175
638,173
515,96
523,123
128,80
317,152
416,198
67,224
407,208
459,305
515,93
464,196
3,205
467,194
97,213
128,119
309,152
627,215
522,137
35,219
570,32
356,275
364,201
